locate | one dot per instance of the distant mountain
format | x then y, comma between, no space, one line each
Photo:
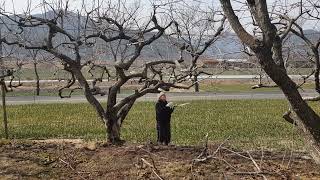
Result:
227,46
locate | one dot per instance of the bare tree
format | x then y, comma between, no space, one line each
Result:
267,47
111,23
312,42
121,25
197,29
7,72
34,56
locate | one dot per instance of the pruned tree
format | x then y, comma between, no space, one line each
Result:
267,47
108,22
197,29
121,25
34,54
5,73
310,12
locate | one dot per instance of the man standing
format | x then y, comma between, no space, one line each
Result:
163,116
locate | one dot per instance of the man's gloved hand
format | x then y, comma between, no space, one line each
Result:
170,104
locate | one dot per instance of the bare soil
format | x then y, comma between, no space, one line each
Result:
76,159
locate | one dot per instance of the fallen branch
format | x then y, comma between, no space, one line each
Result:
317,98
249,173
207,157
236,153
263,86
256,165
153,154
153,168
254,162
72,168
204,151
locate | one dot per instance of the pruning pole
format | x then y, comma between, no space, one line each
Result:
5,118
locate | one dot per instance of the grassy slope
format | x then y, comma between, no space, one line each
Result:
248,123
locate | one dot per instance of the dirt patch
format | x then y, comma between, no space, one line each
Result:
66,159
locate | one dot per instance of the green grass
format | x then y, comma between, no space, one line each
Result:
53,92
243,87
28,74
232,88
248,123
204,87
52,73
250,71
45,73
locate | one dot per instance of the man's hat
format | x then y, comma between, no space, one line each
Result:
161,94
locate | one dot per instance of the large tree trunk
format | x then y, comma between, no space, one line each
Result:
113,130
307,120
268,51
317,68
117,79
4,108
37,79
196,84
114,133
109,117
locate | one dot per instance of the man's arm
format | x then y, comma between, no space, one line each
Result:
162,108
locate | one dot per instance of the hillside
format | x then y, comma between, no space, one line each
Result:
227,46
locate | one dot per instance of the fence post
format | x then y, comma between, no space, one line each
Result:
5,118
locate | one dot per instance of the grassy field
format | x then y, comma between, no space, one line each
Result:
204,87
216,87
243,88
54,72
53,92
46,73
232,88
248,123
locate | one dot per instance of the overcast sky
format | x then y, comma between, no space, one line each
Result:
21,6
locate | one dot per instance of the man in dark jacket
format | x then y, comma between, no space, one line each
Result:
163,116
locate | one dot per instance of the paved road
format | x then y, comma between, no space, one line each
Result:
152,97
